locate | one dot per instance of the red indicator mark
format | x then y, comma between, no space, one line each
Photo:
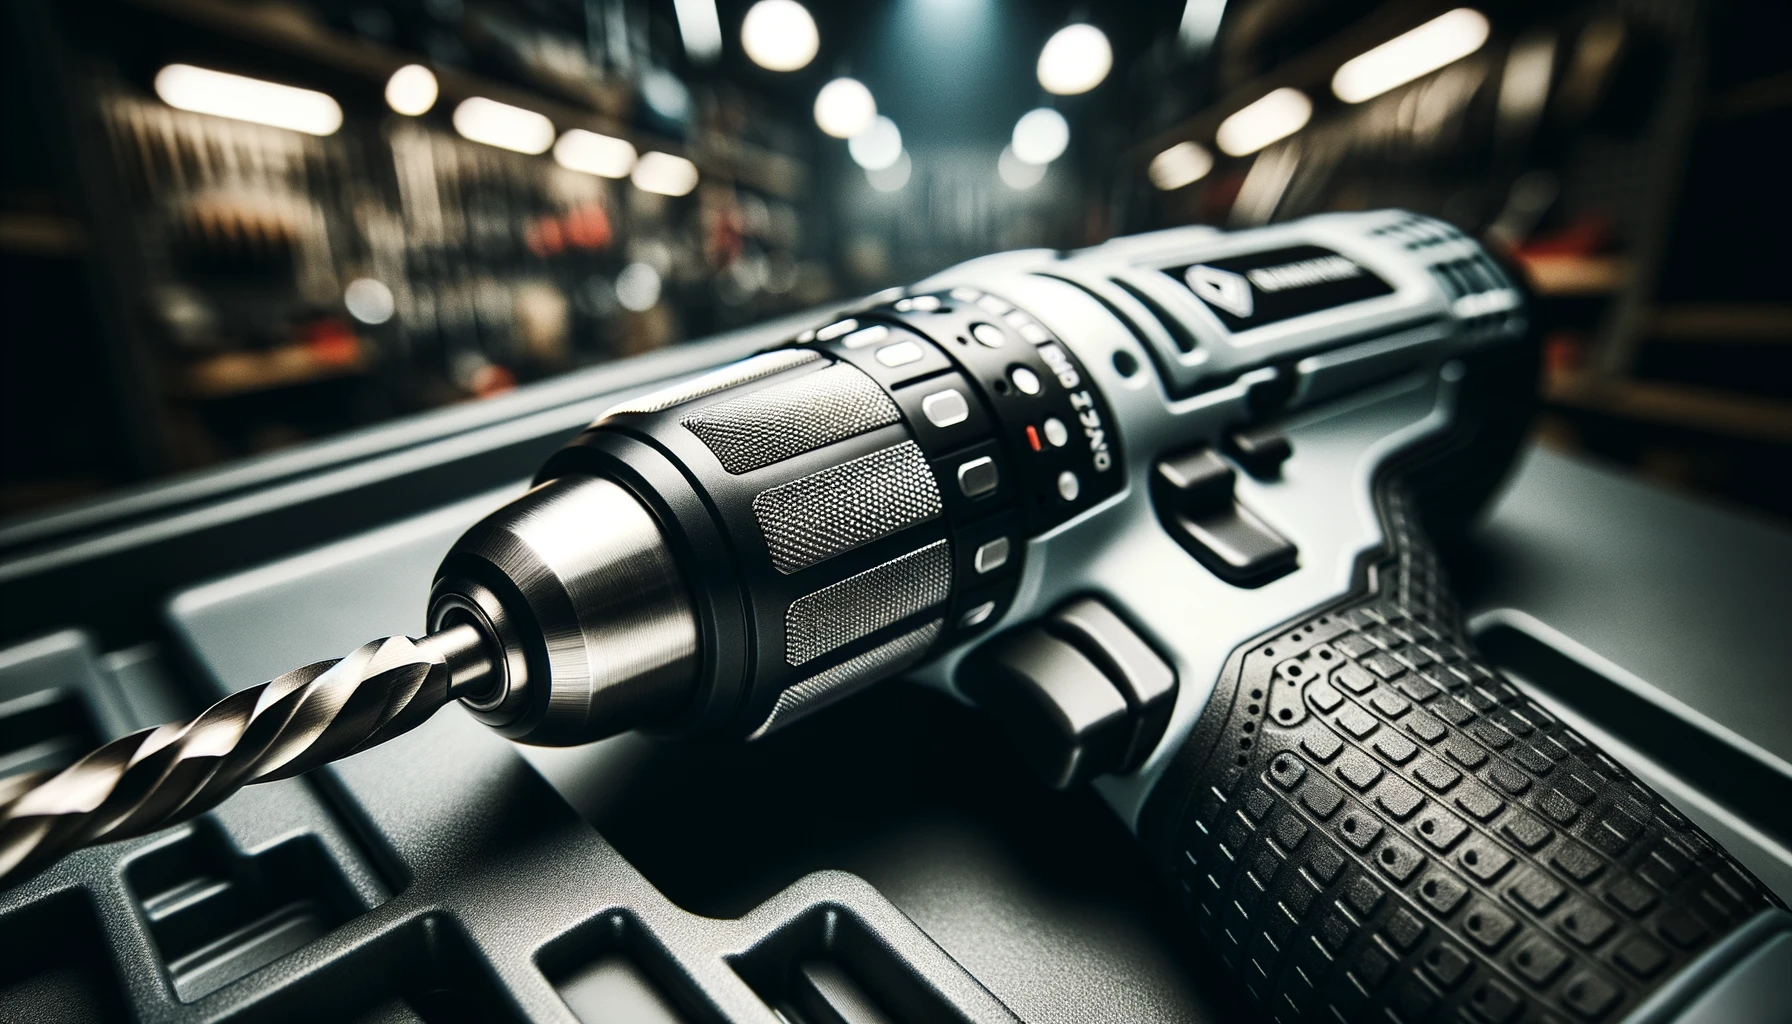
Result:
1033,437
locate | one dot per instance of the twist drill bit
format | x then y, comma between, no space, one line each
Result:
284,727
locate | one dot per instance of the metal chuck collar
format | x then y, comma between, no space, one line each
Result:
575,585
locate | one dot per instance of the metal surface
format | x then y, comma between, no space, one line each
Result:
603,618
284,727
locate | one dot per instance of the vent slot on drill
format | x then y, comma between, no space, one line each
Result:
217,915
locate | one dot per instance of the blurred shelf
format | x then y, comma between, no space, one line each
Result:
1702,409
1746,323
288,31
238,373
1758,96
1552,275
37,234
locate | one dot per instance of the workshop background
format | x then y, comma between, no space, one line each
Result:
397,205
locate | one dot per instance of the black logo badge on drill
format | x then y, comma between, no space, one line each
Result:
1265,287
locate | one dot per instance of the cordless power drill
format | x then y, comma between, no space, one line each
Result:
1167,508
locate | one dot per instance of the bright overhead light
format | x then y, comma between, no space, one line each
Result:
878,146
1041,136
1445,38
638,287
411,90
502,125
1182,164
204,91
368,301
664,174
844,108
606,157
1017,173
1075,59
779,35
1276,116
893,177
701,29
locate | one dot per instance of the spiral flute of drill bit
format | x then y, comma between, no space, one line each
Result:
281,728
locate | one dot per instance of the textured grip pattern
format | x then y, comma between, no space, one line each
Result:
1379,827
796,416
860,605
813,518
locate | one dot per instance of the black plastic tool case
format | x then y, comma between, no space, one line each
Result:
885,861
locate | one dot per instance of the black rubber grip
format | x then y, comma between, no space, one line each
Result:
1370,824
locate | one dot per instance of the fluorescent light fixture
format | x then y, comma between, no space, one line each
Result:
1016,173
1275,116
844,108
204,91
1444,39
878,146
504,126
606,157
1075,59
1200,24
1182,164
1041,136
412,90
700,28
893,177
368,301
779,35
664,174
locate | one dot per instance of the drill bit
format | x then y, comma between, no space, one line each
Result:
281,728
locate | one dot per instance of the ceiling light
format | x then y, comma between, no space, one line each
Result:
1041,136
700,28
606,157
844,108
893,177
1017,173
204,91
1182,164
638,287
411,90
664,174
1276,116
1075,59
368,301
502,125
1445,38
878,146
779,35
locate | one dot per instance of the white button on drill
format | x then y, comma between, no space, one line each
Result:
991,555
989,335
1069,486
945,408
1025,380
900,354
978,477
869,336
1056,432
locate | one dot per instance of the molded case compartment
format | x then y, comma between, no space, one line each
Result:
218,914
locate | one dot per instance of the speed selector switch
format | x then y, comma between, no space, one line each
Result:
1079,692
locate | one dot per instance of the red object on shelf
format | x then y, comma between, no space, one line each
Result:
331,342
